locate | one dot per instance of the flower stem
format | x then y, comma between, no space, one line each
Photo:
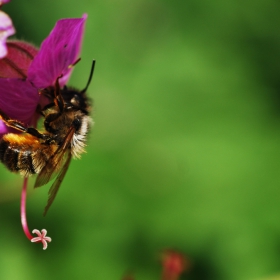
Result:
23,209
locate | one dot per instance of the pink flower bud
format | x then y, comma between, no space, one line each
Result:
6,30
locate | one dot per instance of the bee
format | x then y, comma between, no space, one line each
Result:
48,153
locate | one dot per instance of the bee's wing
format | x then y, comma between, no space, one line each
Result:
57,165
52,168
55,186
55,162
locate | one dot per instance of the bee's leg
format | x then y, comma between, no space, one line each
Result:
58,100
12,123
20,126
39,110
50,105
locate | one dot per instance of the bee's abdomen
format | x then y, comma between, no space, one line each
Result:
19,154
9,156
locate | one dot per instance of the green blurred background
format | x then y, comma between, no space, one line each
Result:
184,152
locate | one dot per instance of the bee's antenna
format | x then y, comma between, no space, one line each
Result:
90,77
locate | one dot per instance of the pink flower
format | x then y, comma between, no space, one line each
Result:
41,238
6,29
25,71
29,71
173,264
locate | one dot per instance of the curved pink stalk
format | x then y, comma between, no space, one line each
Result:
23,209
41,236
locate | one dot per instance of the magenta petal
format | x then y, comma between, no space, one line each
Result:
4,1
17,61
3,128
6,30
57,52
19,99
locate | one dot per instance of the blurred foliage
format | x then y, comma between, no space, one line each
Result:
184,152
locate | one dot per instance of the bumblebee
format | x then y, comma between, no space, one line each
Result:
48,153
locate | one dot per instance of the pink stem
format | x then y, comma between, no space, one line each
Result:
23,209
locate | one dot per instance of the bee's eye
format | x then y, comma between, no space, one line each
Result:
75,100
77,124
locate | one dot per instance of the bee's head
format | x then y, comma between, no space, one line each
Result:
75,99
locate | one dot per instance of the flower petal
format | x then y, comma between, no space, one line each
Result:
3,128
57,52
45,244
18,100
4,2
36,239
44,233
18,60
36,231
6,30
